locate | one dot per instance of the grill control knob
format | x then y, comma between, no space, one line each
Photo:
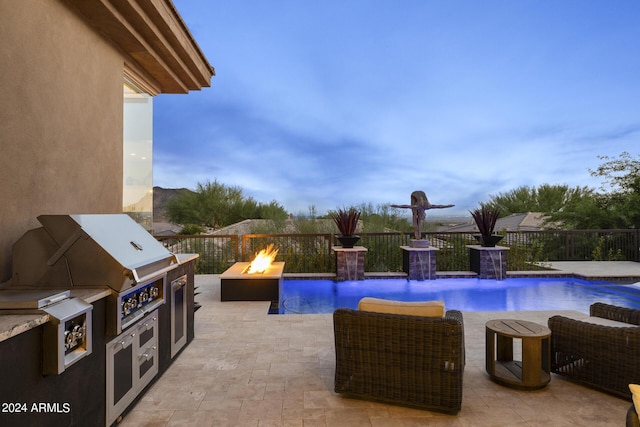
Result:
78,332
67,339
124,308
143,297
70,340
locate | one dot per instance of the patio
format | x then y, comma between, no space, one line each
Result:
248,368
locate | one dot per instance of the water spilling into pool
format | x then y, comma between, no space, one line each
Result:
513,294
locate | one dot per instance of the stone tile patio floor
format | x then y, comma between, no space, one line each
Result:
248,368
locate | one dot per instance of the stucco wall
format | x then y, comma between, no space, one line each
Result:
60,119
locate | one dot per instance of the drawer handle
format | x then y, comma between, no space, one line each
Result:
149,355
148,325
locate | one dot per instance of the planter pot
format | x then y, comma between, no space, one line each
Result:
348,241
488,241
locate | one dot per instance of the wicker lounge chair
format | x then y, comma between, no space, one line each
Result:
603,357
400,359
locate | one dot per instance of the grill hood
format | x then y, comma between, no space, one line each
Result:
94,250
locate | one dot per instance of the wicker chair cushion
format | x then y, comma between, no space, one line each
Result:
413,308
600,321
635,394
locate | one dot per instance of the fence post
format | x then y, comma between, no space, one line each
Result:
245,238
329,239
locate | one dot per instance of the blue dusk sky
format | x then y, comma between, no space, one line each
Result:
340,102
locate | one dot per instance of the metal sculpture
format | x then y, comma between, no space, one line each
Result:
419,205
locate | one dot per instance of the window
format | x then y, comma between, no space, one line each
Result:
138,161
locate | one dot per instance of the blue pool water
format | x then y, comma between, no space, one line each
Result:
324,296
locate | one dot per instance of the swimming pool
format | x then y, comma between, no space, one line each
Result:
513,294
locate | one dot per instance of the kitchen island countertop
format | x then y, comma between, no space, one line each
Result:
15,324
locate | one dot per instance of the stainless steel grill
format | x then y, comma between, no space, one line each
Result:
96,251
89,251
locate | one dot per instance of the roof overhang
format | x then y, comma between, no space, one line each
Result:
159,50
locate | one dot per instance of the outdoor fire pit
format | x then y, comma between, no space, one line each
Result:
258,280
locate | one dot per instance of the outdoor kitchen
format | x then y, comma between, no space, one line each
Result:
93,310
96,310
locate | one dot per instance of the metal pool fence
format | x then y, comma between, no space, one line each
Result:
312,253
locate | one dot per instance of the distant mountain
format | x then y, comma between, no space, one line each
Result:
162,196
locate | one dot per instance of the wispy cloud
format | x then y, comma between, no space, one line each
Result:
338,103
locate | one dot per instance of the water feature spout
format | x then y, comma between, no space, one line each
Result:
497,269
423,258
352,266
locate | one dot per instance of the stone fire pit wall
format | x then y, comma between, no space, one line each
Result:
349,263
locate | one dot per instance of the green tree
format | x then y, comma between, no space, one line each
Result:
621,190
183,208
216,205
273,211
312,223
383,217
546,198
617,205
580,213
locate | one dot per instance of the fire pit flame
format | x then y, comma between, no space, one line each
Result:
262,260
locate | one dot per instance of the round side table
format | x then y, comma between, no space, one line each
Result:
533,371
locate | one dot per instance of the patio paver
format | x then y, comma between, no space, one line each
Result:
248,368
